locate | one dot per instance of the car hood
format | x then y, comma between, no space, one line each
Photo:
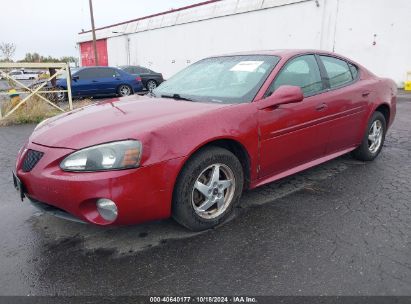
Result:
115,119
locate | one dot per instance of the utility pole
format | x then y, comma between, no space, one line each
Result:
93,29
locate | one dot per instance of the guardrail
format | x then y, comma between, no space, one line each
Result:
60,68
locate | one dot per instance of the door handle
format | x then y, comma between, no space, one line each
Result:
321,107
366,94
94,81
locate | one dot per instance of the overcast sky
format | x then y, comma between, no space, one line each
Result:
50,27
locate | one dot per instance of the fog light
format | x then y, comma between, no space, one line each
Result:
107,209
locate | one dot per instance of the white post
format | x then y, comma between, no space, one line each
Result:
70,99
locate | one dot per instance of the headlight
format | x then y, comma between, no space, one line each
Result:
112,156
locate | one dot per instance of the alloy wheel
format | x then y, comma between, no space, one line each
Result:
213,191
124,90
151,85
375,136
61,96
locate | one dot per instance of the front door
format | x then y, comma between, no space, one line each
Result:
86,82
294,134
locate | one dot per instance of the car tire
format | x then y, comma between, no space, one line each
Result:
60,97
373,140
124,90
151,85
202,199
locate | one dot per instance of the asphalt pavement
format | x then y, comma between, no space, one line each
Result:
342,228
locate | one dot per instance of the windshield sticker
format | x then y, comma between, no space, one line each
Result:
247,66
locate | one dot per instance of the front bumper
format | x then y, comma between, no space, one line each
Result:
141,194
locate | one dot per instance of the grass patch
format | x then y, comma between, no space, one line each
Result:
33,111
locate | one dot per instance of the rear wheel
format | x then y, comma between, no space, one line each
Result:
373,140
124,90
208,188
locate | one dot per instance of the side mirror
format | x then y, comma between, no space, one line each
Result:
283,95
75,78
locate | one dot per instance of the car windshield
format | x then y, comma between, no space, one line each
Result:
231,79
63,75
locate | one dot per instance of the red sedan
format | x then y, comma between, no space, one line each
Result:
189,149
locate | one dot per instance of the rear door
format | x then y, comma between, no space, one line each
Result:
108,81
347,101
294,134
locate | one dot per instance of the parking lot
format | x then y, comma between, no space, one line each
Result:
342,228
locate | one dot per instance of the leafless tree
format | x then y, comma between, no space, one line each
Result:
7,50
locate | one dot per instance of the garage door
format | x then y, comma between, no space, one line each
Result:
87,53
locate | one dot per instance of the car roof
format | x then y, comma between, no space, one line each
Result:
281,52
131,66
96,67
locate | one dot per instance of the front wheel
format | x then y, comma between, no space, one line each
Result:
60,96
208,188
124,90
373,140
151,85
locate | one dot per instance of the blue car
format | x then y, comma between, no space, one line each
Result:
100,81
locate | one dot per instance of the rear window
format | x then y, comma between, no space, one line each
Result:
354,70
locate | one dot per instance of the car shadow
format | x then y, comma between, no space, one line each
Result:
127,240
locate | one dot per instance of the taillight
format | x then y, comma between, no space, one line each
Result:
138,79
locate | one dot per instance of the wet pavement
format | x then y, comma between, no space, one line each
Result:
342,228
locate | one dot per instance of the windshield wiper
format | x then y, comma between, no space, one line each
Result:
177,97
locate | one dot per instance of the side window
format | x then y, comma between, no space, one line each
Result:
303,72
105,73
129,70
115,73
88,74
338,71
141,70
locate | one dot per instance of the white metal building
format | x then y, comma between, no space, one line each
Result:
376,33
